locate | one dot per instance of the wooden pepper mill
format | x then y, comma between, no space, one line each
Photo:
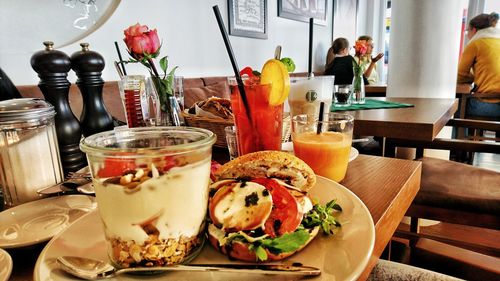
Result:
52,67
88,66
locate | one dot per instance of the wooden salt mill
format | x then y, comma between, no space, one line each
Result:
88,66
52,67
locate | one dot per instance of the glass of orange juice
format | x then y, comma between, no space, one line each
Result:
261,127
324,145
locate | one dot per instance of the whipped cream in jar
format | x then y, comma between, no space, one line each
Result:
151,188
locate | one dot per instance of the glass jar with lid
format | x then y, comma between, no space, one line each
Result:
29,154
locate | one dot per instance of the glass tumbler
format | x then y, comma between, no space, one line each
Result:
324,145
259,127
144,179
342,95
307,93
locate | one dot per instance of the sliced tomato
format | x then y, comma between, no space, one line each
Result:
285,216
114,167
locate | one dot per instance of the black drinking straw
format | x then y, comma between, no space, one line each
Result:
320,117
311,28
120,58
229,49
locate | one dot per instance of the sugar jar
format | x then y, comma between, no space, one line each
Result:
29,155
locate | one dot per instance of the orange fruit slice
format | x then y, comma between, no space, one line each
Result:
275,73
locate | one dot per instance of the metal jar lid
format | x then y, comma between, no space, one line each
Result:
25,109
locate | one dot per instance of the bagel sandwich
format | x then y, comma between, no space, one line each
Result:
259,208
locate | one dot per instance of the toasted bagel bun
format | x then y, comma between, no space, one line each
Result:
239,250
269,164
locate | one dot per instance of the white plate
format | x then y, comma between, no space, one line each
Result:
288,147
5,265
340,257
40,220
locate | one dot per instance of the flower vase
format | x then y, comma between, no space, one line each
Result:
172,116
358,86
166,107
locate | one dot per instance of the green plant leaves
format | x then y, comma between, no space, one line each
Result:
323,216
164,64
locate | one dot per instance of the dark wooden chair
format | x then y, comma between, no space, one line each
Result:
464,97
455,193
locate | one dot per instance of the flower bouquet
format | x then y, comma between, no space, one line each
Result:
358,85
144,46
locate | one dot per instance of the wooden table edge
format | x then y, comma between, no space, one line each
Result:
392,217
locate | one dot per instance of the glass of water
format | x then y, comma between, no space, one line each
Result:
232,141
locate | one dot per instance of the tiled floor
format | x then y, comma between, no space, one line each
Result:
488,161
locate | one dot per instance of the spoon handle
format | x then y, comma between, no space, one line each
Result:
281,269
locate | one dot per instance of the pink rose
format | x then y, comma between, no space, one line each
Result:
141,41
360,48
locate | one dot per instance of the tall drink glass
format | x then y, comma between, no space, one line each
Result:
306,94
133,94
261,127
144,178
327,152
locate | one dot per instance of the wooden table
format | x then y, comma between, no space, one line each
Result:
387,195
421,122
375,90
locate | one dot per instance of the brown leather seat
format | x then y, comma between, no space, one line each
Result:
458,195
458,186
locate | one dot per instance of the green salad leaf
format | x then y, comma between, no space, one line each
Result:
288,242
323,216
319,215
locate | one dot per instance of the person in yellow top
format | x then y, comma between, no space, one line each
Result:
480,63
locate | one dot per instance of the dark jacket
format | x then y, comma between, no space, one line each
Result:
341,67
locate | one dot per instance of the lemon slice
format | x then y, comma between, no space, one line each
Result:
275,72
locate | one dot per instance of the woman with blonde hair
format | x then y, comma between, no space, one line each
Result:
369,63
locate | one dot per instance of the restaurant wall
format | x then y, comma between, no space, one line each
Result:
190,37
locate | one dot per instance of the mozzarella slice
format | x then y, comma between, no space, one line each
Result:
305,204
223,237
242,206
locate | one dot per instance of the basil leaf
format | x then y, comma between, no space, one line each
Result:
288,242
323,216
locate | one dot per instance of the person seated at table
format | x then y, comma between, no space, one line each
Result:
339,62
369,63
480,63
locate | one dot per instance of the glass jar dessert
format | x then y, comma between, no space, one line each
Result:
144,179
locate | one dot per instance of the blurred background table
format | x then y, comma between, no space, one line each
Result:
423,121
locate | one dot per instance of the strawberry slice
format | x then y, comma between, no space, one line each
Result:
214,166
247,71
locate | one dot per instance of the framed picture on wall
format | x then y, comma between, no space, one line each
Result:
302,10
248,18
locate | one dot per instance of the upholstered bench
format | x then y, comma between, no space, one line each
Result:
454,185
389,270
471,191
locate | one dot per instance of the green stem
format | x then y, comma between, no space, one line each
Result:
153,67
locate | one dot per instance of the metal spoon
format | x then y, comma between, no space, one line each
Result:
91,269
